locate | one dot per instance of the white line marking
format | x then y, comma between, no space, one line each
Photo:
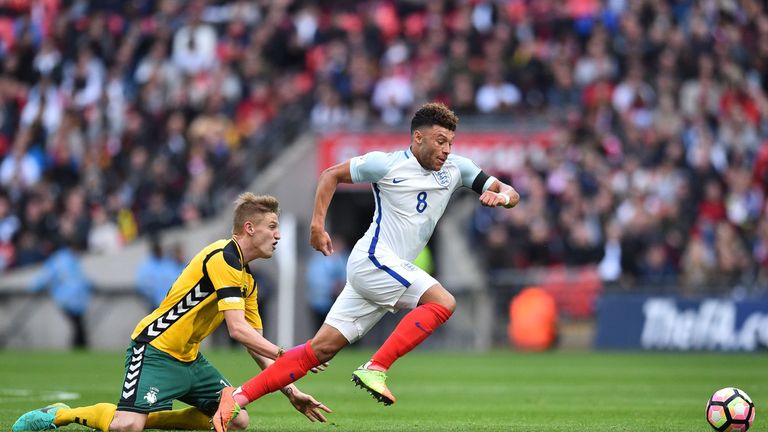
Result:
24,395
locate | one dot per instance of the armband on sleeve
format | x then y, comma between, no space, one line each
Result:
479,182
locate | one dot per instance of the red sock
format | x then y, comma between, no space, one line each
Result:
413,329
291,366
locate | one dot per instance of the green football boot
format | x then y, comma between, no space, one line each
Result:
39,419
375,382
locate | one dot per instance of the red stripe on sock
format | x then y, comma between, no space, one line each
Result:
290,367
412,330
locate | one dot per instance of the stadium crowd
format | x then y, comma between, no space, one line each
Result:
660,174
119,119
127,117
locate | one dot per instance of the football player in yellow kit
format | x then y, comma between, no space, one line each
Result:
163,361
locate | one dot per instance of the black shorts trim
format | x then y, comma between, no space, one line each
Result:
141,411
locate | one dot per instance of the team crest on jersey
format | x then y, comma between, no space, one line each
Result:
151,396
443,177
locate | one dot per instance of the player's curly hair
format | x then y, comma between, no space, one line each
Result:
248,205
434,113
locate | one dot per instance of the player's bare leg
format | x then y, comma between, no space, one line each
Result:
328,341
128,421
435,307
293,365
241,422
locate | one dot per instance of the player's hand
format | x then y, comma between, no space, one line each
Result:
307,405
319,368
493,199
321,241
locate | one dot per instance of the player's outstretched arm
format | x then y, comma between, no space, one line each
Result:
241,331
326,187
303,402
306,404
500,194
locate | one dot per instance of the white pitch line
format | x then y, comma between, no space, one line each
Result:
24,395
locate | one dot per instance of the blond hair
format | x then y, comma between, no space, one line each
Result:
248,205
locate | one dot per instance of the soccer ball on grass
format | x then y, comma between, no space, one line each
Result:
730,409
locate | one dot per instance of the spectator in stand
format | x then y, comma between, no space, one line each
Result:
9,225
19,170
194,45
496,95
732,256
83,80
393,93
328,112
156,274
104,236
698,267
44,107
326,277
9,222
760,252
655,269
63,276
609,267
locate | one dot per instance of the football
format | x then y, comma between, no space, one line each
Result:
730,409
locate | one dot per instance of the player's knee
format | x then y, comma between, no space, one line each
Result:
241,421
448,301
327,342
439,295
127,423
324,349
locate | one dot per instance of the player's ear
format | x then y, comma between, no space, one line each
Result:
417,136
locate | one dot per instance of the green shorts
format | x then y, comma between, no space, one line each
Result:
153,379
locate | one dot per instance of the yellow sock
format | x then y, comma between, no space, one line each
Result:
184,419
97,416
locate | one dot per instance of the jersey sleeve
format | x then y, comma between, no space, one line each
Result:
370,167
226,275
252,311
470,173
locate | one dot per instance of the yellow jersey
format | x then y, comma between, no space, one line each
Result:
215,280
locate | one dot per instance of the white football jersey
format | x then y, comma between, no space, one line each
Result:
409,199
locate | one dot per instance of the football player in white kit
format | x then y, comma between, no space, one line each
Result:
411,188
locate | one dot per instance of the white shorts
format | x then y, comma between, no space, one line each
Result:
374,287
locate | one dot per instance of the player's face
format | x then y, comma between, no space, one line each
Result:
266,234
431,146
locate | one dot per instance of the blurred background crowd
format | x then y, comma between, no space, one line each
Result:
122,118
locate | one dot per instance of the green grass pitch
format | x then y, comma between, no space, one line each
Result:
497,391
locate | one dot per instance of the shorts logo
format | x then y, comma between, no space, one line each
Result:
408,266
151,396
443,177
